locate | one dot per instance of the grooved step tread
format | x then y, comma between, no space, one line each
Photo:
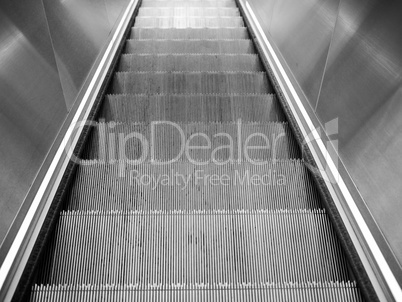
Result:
190,22
188,12
123,186
188,1
192,62
190,83
189,33
192,186
189,46
202,3
284,292
191,108
195,248
209,142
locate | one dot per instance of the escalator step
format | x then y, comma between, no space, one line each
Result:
227,141
188,12
203,247
192,3
189,33
190,83
121,186
192,186
191,108
190,22
192,62
282,292
189,46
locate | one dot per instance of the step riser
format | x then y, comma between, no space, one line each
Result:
195,4
177,108
192,22
189,47
226,142
188,12
190,63
190,83
192,186
196,248
193,33
346,292
285,185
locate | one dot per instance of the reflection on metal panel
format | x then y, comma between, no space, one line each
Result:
362,87
79,29
114,9
264,10
302,30
31,99
47,51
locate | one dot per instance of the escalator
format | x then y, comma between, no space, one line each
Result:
146,220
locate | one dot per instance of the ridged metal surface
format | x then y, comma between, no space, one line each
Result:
188,12
189,46
190,82
286,292
195,62
220,141
193,3
248,225
201,247
107,187
189,33
188,22
191,108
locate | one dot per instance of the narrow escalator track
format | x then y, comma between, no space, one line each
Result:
218,222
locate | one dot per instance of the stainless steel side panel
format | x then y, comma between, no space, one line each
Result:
32,106
48,51
302,30
362,87
346,56
79,29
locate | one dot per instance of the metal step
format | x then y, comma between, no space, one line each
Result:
192,3
189,46
284,292
122,186
188,12
188,22
190,62
189,33
146,219
199,142
190,83
203,247
191,108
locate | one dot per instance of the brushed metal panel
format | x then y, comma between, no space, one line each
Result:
363,88
31,99
302,30
79,29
